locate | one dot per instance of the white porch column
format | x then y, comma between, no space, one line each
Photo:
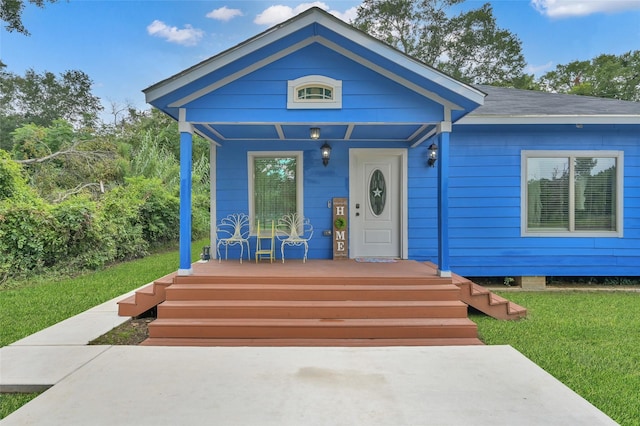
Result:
213,214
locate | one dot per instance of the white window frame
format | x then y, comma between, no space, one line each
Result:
293,102
251,155
571,232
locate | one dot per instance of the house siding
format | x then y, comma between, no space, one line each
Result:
485,222
484,204
366,96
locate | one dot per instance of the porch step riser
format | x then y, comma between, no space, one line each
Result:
311,280
159,341
329,292
313,329
265,309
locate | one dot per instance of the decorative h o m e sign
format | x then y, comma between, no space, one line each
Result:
340,229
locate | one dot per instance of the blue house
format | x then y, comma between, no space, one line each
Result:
483,181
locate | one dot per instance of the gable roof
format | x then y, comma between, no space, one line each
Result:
312,27
515,106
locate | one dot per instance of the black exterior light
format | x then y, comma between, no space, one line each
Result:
432,155
314,133
326,153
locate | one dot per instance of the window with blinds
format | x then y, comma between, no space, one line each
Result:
275,185
575,192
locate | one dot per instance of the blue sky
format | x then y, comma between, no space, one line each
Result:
128,45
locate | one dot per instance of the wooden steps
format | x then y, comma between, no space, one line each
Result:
312,311
487,302
146,298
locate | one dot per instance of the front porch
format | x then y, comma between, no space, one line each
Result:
318,303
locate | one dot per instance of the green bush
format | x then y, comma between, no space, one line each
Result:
27,237
159,212
80,233
137,215
119,212
12,182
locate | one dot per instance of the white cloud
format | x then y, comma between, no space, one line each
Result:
347,16
568,8
278,13
538,70
188,36
224,14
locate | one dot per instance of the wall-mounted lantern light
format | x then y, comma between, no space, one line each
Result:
432,154
326,153
314,133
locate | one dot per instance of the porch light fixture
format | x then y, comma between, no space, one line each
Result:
432,154
314,133
326,153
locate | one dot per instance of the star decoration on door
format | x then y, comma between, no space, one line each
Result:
377,192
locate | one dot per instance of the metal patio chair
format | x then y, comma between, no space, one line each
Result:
233,230
294,230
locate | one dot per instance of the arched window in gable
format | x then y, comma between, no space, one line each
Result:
314,92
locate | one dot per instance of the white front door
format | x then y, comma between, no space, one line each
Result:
376,202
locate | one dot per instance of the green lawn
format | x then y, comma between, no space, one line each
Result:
590,341
28,307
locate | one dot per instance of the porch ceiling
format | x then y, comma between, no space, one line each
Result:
365,132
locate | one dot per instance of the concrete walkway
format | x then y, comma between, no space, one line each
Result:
136,385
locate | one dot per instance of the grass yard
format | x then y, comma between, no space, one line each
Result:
28,307
590,341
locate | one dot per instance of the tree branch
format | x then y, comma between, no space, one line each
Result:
76,190
71,151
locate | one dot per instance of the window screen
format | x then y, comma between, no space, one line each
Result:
274,187
573,193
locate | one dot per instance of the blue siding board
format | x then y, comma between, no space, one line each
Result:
496,203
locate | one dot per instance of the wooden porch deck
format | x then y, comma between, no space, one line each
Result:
317,303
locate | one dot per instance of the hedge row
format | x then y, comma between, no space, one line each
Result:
82,233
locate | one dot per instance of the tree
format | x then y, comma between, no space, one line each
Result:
468,46
43,98
11,13
606,76
61,161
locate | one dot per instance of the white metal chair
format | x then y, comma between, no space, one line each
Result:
233,230
294,230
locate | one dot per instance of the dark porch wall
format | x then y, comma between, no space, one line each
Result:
485,234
